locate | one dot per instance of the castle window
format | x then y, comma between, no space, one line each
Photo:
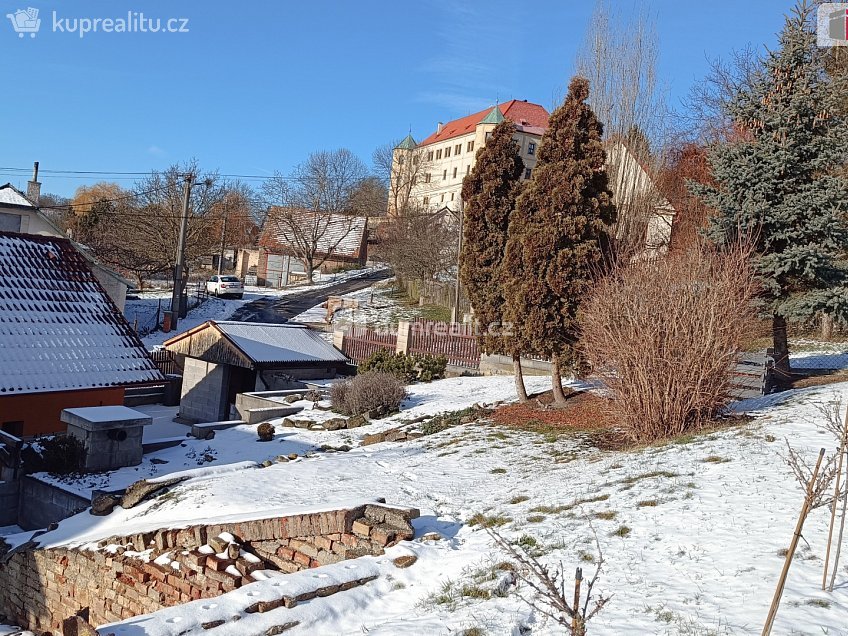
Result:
454,173
470,146
444,174
429,155
438,154
447,152
458,149
531,148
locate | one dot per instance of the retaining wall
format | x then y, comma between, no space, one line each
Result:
118,579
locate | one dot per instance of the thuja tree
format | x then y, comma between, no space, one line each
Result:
558,234
488,194
774,181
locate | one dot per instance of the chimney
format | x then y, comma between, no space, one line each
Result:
34,187
439,127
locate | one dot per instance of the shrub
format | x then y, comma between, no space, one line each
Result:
61,454
265,432
664,336
373,392
409,368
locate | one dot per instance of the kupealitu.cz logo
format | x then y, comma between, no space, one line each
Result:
832,24
27,22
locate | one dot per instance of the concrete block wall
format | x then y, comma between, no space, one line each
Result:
43,504
9,497
204,395
39,588
502,365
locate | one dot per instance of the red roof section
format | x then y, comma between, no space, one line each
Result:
521,113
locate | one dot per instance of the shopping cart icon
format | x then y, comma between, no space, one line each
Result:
25,21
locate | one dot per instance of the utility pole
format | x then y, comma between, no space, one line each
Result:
179,269
455,312
223,242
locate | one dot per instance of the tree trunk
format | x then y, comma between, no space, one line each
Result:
556,381
519,379
309,272
781,349
826,326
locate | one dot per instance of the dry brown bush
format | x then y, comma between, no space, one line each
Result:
664,335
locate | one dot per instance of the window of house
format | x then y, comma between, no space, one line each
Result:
13,428
429,155
470,146
488,136
447,152
443,197
426,200
438,154
427,178
457,149
527,172
444,174
454,173
468,168
531,148
453,194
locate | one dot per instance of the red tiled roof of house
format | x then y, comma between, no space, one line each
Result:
519,112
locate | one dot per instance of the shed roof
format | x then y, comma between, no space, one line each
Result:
58,329
268,344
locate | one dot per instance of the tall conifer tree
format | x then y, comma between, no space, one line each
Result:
558,234
775,182
489,193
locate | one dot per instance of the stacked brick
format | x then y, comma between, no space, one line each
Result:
41,587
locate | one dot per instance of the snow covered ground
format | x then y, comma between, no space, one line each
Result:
11,630
692,532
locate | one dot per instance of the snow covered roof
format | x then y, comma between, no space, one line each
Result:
337,234
10,195
58,329
262,343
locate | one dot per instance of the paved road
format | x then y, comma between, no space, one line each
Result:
280,310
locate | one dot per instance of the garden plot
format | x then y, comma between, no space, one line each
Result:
692,532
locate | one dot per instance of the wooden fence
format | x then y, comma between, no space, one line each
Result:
455,341
358,343
166,361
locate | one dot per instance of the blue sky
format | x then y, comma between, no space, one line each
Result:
253,87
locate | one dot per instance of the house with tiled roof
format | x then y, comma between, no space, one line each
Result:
20,213
337,241
435,167
63,342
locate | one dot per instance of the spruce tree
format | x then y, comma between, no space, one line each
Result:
775,186
558,234
488,194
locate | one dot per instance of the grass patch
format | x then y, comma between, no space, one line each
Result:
818,602
586,557
629,481
606,515
647,503
715,459
526,541
519,499
622,531
488,521
473,591
535,518
498,471
555,510
473,631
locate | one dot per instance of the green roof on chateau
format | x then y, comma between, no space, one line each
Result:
407,144
495,116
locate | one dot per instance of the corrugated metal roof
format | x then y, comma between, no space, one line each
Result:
335,234
58,329
268,343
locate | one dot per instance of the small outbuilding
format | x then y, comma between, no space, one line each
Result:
221,359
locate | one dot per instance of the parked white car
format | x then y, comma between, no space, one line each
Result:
225,286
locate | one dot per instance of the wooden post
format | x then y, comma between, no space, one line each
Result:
839,539
835,495
576,620
805,510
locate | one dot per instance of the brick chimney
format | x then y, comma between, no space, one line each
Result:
439,127
34,187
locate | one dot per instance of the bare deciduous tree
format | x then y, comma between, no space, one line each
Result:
313,211
619,58
404,174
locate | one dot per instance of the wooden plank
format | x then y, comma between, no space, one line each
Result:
748,382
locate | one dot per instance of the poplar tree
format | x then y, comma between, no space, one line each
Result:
775,184
558,234
489,193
